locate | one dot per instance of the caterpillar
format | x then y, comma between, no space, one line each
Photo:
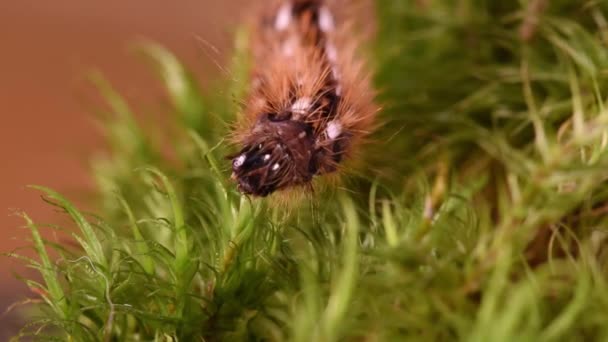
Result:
310,102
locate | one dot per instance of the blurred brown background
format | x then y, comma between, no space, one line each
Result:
46,134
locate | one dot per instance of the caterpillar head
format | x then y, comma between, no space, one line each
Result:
277,154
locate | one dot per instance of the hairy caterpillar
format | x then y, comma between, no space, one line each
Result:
310,102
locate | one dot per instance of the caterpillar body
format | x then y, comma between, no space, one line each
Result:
310,103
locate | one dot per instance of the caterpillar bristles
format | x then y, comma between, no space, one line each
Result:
310,103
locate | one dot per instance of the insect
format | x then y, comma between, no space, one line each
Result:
310,102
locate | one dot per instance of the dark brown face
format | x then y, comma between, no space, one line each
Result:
279,153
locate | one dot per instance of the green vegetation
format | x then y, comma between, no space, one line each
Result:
482,218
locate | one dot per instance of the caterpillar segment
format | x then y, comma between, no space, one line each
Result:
310,102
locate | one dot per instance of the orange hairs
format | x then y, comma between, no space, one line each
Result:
310,101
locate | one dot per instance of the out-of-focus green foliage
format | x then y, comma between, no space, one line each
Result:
483,218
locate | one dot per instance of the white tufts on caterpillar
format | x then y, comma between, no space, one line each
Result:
310,103
283,17
326,20
334,129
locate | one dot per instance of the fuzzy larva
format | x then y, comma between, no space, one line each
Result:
310,102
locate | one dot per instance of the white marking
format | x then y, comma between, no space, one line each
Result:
289,47
302,135
275,167
332,53
238,162
334,129
301,106
335,73
326,20
266,157
283,17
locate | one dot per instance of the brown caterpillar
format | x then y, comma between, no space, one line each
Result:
310,102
